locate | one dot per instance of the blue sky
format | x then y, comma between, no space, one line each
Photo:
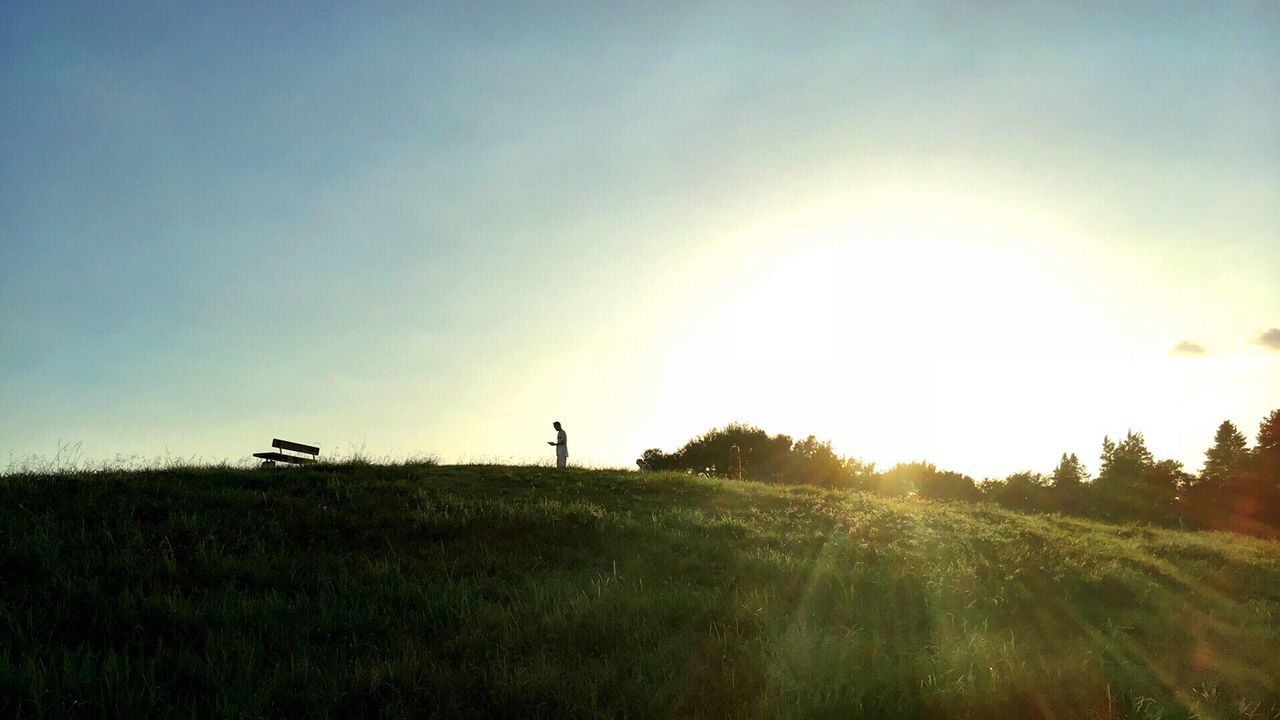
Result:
434,230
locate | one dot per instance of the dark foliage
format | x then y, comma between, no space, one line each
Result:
1238,488
948,485
1020,491
765,458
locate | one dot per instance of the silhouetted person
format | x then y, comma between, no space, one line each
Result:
561,444
735,463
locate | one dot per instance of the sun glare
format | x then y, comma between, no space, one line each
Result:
883,328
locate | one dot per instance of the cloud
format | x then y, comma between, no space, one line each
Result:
1268,339
1186,347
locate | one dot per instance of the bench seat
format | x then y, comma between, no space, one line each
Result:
281,457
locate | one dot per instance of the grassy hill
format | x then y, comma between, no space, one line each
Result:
522,592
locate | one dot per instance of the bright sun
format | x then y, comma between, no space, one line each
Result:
885,327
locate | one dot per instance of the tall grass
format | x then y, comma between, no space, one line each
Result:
355,589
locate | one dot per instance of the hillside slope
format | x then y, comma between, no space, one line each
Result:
523,592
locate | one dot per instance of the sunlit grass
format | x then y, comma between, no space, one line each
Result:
359,589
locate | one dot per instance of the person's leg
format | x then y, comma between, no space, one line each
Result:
561,460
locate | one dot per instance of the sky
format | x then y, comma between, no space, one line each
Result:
977,234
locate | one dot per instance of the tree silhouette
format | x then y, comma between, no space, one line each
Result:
1131,484
1122,462
708,454
1265,469
813,462
1238,489
947,485
1225,462
1020,491
860,475
1070,473
765,458
1067,491
1269,434
904,478
1213,497
654,459
1260,491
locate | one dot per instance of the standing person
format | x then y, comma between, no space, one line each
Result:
735,463
561,444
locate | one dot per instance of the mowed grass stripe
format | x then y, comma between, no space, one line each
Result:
417,591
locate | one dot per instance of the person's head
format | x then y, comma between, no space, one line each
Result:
556,424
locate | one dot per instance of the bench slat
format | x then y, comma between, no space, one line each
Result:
281,457
296,447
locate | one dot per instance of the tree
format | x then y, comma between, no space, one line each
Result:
1069,473
860,475
1261,486
904,478
1123,462
765,458
1225,462
1131,485
1068,488
1210,499
1269,434
654,459
1159,486
813,462
1020,491
1239,490
946,485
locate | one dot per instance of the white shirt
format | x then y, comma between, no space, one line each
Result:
562,443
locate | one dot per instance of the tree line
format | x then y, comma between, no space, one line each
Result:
1238,488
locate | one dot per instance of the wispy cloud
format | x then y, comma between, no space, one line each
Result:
1269,339
1186,347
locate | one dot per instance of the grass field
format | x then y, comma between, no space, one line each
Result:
400,591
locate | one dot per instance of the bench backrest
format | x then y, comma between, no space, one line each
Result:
296,447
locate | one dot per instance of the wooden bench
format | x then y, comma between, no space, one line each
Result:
271,458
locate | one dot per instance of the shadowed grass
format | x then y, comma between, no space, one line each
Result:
415,590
